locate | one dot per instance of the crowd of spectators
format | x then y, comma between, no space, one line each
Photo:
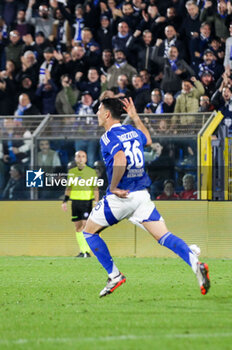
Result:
62,56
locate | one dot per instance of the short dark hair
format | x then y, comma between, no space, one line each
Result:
115,106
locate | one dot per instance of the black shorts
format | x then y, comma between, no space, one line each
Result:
81,209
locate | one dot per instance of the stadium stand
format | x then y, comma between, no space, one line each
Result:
54,53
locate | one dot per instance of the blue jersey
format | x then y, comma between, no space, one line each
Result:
131,141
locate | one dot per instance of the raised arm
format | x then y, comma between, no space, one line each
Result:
29,17
129,107
65,13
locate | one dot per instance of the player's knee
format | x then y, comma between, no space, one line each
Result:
156,228
92,227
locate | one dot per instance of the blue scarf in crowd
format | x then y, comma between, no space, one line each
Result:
20,110
173,65
78,26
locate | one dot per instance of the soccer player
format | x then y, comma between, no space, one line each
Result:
127,195
82,199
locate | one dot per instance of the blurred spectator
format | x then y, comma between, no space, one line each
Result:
77,65
171,39
47,91
15,48
9,72
222,100
29,43
205,105
146,78
159,125
161,168
92,85
188,102
156,98
7,96
107,61
220,18
138,6
67,97
91,15
66,57
174,69
172,17
76,22
61,32
92,48
191,24
169,191
163,127
114,11
41,43
104,33
151,21
228,52
21,24
43,22
85,106
122,90
26,87
218,49
185,156
48,63
141,48
188,184
167,105
199,45
119,67
150,155
140,94
29,67
25,107
210,63
208,82
15,187
130,16
46,156
17,146
120,39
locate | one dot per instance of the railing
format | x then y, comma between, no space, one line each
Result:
177,132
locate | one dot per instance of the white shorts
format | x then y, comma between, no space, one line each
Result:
137,208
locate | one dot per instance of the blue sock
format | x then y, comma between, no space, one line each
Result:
178,246
100,250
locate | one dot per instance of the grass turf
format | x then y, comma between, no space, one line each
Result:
52,303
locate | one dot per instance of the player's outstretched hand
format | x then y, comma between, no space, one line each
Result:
120,193
129,107
64,206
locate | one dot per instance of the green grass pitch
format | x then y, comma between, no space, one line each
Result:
53,303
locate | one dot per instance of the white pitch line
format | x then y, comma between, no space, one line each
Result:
116,338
